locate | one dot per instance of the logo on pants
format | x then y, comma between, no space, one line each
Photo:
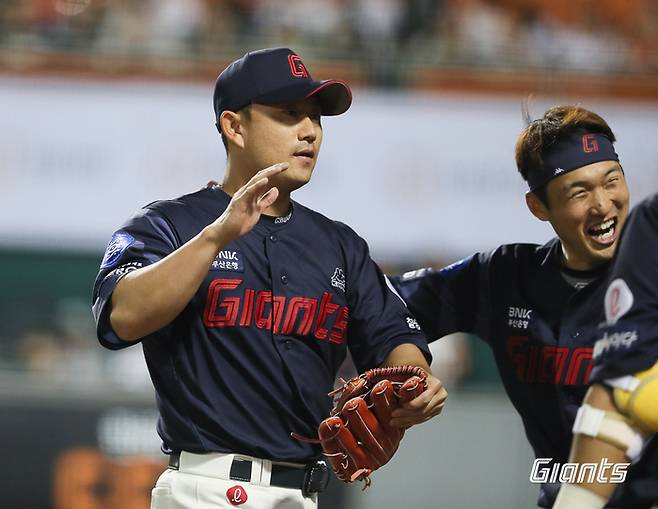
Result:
236,495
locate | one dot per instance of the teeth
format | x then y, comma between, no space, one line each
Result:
606,235
603,226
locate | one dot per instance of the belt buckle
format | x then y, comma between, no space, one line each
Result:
316,478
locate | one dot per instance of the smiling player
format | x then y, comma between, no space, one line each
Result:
538,307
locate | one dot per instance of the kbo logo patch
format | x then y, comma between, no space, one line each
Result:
119,242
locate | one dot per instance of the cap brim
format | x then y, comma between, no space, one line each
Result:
335,96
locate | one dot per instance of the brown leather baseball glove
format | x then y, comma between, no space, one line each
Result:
357,438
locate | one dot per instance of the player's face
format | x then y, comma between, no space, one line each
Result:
587,209
285,133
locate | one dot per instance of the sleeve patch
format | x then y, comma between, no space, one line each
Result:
413,323
118,244
618,300
124,269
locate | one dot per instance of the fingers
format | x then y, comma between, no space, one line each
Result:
410,418
260,179
434,388
253,188
267,199
429,404
268,172
405,418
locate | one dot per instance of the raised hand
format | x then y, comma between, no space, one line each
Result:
247,204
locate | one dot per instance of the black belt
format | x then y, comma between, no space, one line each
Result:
311,478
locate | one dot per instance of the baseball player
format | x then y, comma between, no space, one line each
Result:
537,307
245,302
620,411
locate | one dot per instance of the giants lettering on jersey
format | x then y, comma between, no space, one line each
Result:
299,315
544,364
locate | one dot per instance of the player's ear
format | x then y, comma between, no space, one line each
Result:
536,206
230,124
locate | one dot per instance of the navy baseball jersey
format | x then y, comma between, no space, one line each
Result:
540,320
628,342
254,354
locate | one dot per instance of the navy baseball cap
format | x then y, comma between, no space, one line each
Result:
275,76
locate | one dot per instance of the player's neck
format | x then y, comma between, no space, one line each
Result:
280,207
233,179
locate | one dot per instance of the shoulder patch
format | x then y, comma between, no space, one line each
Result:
618,301
118,244
414,274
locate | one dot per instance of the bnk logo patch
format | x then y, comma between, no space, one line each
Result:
228,259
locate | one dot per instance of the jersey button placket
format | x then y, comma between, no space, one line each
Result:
278,283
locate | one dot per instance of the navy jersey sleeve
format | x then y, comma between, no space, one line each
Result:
379,320
451,299
143,240
628,342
